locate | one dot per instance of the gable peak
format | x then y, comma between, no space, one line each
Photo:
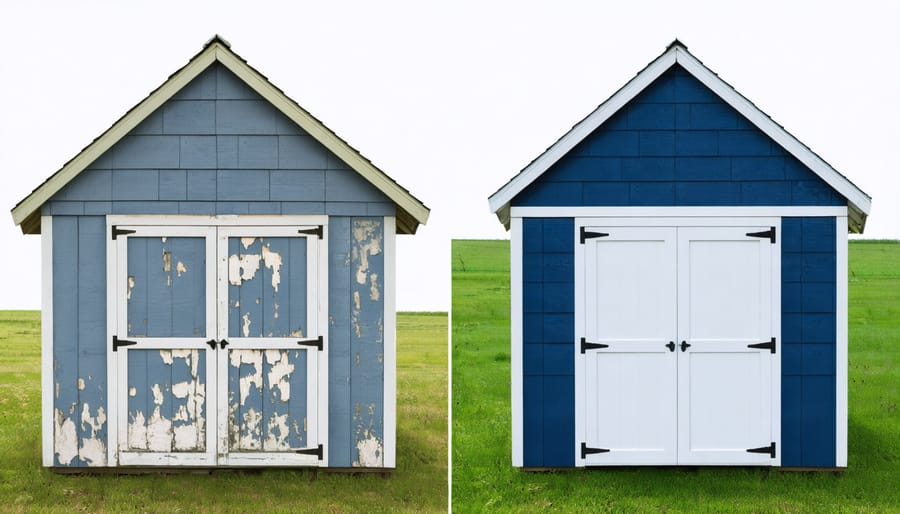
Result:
676,43
217,39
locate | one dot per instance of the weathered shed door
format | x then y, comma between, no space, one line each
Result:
219,360
675,372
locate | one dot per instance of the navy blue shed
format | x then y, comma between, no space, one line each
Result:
679,285
218,285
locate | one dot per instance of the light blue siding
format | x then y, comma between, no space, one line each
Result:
339,330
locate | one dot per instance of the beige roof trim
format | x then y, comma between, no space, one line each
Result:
676,52
412,211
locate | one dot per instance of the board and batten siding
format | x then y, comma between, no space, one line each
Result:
678,144
219,148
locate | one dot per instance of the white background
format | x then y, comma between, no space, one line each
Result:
449,99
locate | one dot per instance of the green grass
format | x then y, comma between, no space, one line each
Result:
484,479
419,484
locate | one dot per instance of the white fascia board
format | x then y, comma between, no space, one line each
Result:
517,368
582,130
169,220
47,414
116,132
684,212
841,346
773,130
390,344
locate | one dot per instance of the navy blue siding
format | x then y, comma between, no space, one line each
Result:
808,330
549,332
677,143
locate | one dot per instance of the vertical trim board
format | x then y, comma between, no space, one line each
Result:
47,418
390,344
516,340
842,342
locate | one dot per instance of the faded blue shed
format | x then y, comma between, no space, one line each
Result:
219,284
679,288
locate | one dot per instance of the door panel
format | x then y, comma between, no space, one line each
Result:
630,306
268,397
724,387
165,317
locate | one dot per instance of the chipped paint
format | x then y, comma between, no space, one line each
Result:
132,391
166,356
130,286
273,262
57,390
247,241
164,239
280,373
245,326
368,238
254,379
92,449
167,266
277,438
181,268
65,440
374,293
370,451
250,436
81,384
297,333
242,267
137,432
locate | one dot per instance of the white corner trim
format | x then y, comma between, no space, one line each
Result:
580,365
390,343
729,95
47,418
112,362
841,344
683,212
322,400
776,333
516,319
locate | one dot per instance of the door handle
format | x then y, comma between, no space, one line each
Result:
685,345
212,343
671,346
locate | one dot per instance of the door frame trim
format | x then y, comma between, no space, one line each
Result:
720,219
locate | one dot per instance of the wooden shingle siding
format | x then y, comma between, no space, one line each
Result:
79,340
218,148
548,290
676,144
808,330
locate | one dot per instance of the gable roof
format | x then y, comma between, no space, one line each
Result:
410,211
859,203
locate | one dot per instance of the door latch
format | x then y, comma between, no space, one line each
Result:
685,345
671,346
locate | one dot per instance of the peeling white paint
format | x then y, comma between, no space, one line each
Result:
167,266
157,394
297,333
65,440
166,356
132,392
278,436
130,286
250,436
247,241
186,438
374,293
242,267
280,374
371,452
253,379
365,234
92,450
159,432
356,302
81,384
245,327
164,239
180,268
273,262
137,432
57,390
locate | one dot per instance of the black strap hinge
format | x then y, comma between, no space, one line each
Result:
591,346
318,452
318,231
116,343
585,450
120,232
590,235
318,342
764,449
769,345
770,234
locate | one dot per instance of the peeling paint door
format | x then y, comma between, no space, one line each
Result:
269,288
165,315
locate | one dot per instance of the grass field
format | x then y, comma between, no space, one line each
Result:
484,480
419,483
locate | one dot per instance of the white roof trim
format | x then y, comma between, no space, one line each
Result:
217,50
677,53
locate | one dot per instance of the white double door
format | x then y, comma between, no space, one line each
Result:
671,366
218,345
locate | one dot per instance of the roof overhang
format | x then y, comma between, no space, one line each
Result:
859,203
410,211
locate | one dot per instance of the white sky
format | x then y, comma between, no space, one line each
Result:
452,99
